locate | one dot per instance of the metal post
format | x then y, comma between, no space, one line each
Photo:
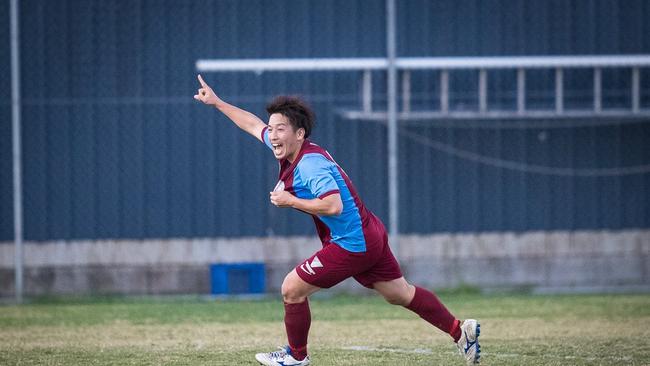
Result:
366,91
393,210
482,91
444,91
521,90
15,125
635,90
598,90
559,91
406,91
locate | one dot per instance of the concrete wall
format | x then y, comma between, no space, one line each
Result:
557,261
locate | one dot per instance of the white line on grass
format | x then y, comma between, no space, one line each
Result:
427,351
391,350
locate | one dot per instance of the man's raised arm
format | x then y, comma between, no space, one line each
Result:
243,119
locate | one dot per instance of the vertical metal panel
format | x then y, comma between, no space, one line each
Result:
640,197
643,197
83,140
34,126
515,195
108,170
6,195
490,184
537,188
106,119
586,188
129,37
156,129
58,122
229,207
180,212
413,209
83,144
418,213
131,141
446,174
609,189
561,145
467,184
253,196
635,196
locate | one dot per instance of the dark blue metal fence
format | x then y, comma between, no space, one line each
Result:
115,147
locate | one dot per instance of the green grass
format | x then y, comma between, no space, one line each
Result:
346,330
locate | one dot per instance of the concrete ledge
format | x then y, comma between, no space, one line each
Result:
169,251
571,260
592,290
106,280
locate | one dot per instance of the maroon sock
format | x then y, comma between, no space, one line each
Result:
428,307
297,319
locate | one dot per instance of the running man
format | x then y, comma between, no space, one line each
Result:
355,243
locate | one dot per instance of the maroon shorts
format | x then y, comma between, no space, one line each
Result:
333,264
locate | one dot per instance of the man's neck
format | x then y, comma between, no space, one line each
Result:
293,156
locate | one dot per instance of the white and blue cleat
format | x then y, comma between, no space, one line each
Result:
468,343
282,357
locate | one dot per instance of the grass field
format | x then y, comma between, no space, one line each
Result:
346,330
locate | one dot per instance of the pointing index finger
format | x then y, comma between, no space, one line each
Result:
203,84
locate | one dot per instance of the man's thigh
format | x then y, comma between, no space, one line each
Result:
331,265
385,268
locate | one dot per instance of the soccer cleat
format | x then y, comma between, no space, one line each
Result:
282,357
468,342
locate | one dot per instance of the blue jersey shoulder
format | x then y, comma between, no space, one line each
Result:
316,173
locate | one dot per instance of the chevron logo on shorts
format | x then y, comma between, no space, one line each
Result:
309,268
316,263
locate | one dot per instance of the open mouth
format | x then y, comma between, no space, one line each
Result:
276,147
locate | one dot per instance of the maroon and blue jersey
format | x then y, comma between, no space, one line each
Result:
315,174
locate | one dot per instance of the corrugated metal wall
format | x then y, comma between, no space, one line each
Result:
6,204
115,146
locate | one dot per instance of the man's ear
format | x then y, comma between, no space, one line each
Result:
301,132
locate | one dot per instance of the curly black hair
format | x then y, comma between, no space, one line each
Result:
295,109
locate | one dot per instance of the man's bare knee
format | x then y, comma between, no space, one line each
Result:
294,290
290,293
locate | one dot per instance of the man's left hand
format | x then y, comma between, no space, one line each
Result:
282,198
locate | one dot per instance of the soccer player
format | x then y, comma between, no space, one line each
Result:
355,243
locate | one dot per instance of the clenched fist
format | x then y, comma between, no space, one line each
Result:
282,198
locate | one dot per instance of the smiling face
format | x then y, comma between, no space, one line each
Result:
286,142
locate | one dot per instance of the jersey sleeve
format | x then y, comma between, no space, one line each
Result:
316,171
265,137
